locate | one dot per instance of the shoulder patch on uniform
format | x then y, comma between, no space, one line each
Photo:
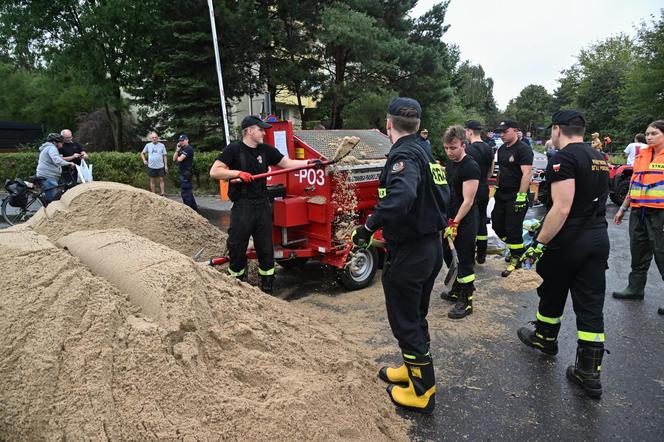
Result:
398,167
556,167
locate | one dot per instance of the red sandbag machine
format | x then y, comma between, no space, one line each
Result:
306,215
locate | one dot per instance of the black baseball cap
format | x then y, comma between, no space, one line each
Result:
183,137
404,107
253,120
473,125
568,117
506,124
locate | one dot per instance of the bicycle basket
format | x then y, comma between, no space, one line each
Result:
18,193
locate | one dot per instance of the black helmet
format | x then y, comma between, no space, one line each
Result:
55,138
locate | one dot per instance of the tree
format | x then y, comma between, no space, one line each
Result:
475,91
532,108
108,43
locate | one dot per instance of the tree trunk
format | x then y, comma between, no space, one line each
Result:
339,80
111,122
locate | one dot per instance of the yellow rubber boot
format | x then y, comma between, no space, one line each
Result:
420,394
391,375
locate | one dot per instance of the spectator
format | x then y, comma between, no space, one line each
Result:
608,143
528,139
549,148
49,167
488,139
157,162
184,158
424,138
632,149
596,143
74,152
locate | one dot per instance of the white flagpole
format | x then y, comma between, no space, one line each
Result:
215,43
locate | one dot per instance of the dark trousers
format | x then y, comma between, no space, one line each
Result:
482,201
507,223
577,265
250,218
187,190
69,178
646,239
409,272
464,245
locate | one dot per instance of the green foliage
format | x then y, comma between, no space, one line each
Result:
531,109
120,167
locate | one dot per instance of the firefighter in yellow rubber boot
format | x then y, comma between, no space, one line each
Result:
412,211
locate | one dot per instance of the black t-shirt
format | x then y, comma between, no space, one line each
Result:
239,156
590,172
188,162
465,170
510,160
69,149
483,156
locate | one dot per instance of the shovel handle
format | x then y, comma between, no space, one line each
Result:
450,243
282,171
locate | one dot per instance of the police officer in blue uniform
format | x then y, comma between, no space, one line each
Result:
412,212
184,158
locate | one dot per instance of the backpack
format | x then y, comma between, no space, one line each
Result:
18,192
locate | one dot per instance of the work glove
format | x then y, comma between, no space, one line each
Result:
319,163
521,202
451,230
533,254
245,177
362,237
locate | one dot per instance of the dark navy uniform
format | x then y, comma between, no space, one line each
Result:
186,174
412,211
576,258
483,155
251,215
505,220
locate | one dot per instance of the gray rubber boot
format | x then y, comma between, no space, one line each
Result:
634,289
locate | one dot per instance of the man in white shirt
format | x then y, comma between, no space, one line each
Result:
632,149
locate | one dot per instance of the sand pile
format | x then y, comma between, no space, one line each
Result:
110,335
105,205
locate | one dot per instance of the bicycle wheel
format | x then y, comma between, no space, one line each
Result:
16,215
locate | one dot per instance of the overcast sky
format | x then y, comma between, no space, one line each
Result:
522,42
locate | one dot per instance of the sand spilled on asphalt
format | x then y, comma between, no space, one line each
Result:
109,334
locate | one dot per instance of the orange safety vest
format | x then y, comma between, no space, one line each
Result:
647,187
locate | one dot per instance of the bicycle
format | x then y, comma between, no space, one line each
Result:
25,199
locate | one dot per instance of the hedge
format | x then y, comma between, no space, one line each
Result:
125,167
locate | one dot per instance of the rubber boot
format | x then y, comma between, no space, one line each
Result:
420,393
515,263
242,277
480,255
451,295
267,283
544,337
464,304
660,310
586,370
391,375
634,289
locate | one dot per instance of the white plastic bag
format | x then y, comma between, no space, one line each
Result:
84,172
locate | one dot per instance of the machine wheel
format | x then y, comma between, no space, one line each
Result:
292,263
620,193
360,271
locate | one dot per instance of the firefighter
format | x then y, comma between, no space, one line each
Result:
412,211
515,164
251,214
463,176
646,225
482,153
572,250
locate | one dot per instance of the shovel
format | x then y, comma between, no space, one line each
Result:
342,152
454,265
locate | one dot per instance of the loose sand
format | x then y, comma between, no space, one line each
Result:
108,330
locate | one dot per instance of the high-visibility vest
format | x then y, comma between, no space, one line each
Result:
647,187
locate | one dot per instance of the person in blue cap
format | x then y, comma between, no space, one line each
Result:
184,158
412,211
